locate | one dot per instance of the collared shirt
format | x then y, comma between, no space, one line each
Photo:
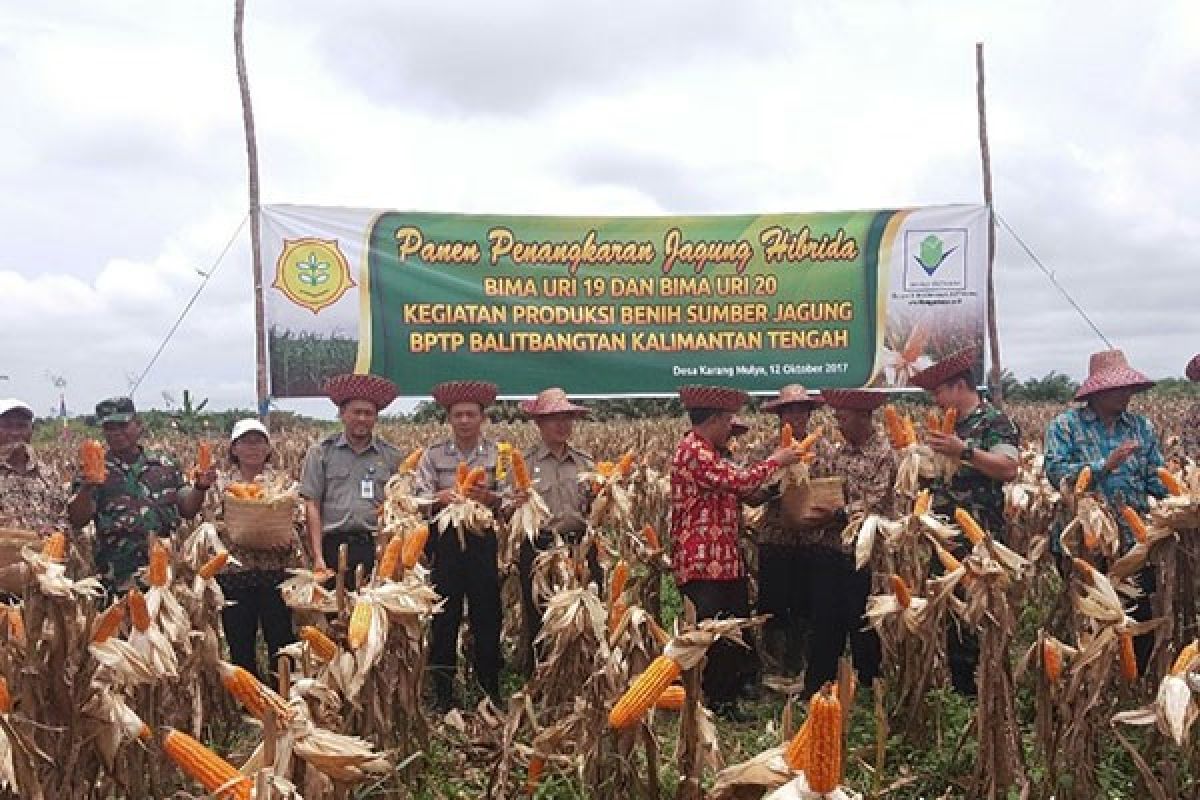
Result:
557,481
1078,438
348,486
989,429
30,499
706,492
438,467
869,473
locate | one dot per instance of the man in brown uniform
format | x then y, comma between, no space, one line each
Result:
29,498
554,467
463,568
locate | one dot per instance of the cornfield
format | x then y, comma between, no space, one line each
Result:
139,700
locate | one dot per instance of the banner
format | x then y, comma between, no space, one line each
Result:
620,306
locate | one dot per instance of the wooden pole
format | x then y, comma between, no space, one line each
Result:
260,333
986,158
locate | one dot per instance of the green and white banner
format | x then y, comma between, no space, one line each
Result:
620,306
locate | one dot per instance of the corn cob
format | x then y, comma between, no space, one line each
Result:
620,577
16,624
1136,526
414,545
1185,657
319,644
894,426
360,623
796,754
1129,667
474,478
520,471
108,622
1052,660
534,775
411,460
644,691
91,461
391,559
5,696
805,444
616,612
156,573
969,526
914,345
922,504
214,565
460,476
55,546
137,610
950,420
900,589
1174,487
910,432
1083,480
1091,540
933,420
651,537
824,768
949,562
204,457
1085,569
786,437
207,768
606,468
245,491
625,464
672,698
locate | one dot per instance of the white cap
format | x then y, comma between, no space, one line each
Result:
244,426
8,404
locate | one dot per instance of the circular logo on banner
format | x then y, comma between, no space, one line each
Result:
313,273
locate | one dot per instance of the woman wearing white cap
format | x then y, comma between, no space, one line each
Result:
252,585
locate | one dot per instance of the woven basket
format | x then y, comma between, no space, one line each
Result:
799,501
259,525
13,570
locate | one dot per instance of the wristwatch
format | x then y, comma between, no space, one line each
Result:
968,453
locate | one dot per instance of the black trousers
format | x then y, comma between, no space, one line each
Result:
837,599
531,612
360,549
257,604
729,664
468,574
783,593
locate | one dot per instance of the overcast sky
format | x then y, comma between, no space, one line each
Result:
123,167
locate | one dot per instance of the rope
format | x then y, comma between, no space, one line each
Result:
188,307
1049,274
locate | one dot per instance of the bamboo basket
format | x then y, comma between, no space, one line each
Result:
799,501
259,524
13,570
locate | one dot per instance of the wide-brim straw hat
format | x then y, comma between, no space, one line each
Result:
1108,369
1193,368
794,394
720,398
935,375
854,399
341,389
451,392
551,401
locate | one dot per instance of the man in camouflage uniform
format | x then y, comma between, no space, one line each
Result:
143,495
30,499
985,444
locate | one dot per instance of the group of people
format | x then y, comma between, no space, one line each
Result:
807,582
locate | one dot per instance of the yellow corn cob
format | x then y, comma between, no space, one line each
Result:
1052,660
474,478
204,457
319,644
620,577
949,562
626,464
534,775
251,693
824,768
520,471
206,767
660,636
672,698
16,625
914,345
91,461
1083,480
1129,668
1185,657
651,537
504,452
5,696
933,420
786,437
108,622
950,420
156,573
55,546
922,504
894,427
411,461
900,589
1136,526
644,691
1086,570
414,545
391,559
796,754
616,613
1091,540
460,475
137,610
214,565
1174,487
360,624
805,444
969,526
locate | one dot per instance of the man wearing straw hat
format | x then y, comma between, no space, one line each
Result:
1122,451
1190,440
554,467
30,499
706,495
344,474
463,567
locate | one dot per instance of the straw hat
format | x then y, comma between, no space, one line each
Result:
854,399
794,394
1108,369
935,375
341,389
551,401
451,392
716,397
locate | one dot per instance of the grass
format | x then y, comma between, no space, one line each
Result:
302,361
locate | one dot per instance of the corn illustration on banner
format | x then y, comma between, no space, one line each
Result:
620,306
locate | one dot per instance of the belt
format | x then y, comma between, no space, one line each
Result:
351,537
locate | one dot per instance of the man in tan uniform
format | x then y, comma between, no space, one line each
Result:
554,467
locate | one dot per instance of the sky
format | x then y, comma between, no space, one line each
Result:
123,166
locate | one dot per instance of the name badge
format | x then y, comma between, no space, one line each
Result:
367,489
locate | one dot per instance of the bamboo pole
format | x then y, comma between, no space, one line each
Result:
985,156
260,334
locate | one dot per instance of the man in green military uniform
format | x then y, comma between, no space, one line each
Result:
984,443
143,495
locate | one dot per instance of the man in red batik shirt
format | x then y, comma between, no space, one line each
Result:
706,497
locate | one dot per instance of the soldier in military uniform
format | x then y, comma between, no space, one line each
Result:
143,495
554,468
30,499
985,444
463,567
344,475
